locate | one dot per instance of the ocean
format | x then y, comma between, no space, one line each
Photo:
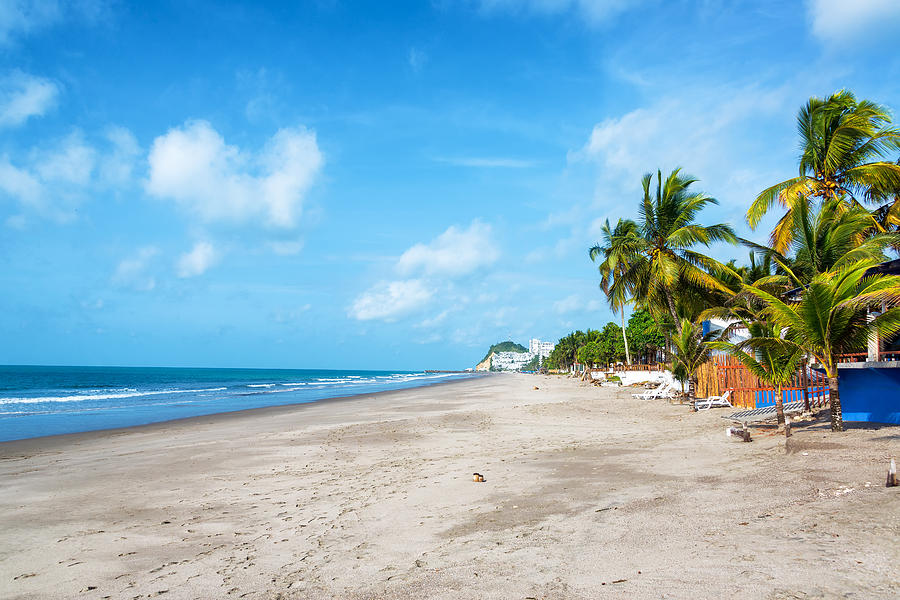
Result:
38,401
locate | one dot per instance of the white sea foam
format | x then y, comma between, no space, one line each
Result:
83,397
264,385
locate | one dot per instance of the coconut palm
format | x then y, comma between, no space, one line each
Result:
620,245
690,349
771,358
663,257
756,270
830,237
843,142
834,315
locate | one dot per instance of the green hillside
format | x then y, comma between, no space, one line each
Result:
504,347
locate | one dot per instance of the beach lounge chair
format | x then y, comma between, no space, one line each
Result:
666,390
768,412
714,401
645,394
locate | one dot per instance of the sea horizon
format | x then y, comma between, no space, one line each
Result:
45,400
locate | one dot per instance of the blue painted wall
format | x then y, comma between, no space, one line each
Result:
871,395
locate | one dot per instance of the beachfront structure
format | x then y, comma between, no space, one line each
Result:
542,349
738,333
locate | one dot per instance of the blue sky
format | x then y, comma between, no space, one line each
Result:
375,185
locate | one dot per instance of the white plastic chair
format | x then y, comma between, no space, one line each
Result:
665,390
714,402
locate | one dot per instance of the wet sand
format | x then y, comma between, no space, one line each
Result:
589,493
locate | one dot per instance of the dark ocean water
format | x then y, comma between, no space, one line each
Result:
37,401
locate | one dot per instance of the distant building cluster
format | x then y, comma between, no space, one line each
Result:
514,361
510,361
542,349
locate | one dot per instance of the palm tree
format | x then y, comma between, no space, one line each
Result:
691,350
841,142
832,317
757,270
620,246
830,237
773,358
663,258
565,353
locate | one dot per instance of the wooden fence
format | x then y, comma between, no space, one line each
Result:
724,372
887,355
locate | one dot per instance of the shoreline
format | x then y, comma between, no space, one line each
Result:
61,439
375,499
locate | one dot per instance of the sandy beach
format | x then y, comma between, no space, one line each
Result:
589,493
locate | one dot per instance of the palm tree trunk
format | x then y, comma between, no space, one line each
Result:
834,400
692,389
671,303
779,405
625,337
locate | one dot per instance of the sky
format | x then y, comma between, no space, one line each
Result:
390,185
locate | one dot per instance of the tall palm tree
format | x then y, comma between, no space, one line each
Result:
664,256
833,317
620,245
843,142
771,358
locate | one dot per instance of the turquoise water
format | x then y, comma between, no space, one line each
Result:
38,401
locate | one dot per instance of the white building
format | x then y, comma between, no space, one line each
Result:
510,361
536,346
737,334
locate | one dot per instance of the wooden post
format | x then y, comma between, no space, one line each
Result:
804,381
741,432
892,474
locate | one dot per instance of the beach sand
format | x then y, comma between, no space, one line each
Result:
589,493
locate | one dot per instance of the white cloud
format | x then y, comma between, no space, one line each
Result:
201,257
489,162
286,247
707,131
575,303
71,162
389,300
195,167
23,96
430,322
21,17
678,126
290,315
117,166
568,304
51,181
594,11
19,183
455,252
416,59
595,305
132,271
842,22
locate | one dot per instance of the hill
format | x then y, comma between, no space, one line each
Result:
504,347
